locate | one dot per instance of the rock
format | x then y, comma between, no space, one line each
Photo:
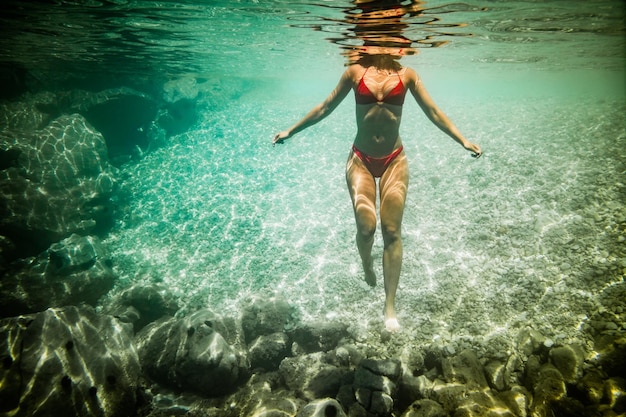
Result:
142,304
357,410
363,396
364,378
464,369
325,407
311,377
569,407
74,271
495,373
425,408
531,371
373,386
32,112
530,341
547,386
615,394
381,403
319,336
54,182
569,361
345,396
449,395
591,387
412,389
185,88
432,360
347,356
482,404
69,360
414,361
390,368
500,375
190,355
268,351
185,98
612,351
266,316
517,399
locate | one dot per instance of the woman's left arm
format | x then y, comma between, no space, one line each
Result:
435,114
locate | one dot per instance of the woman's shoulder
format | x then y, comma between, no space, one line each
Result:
354,71
409,75
409,72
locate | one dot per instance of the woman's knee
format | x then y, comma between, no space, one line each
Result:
366,230
391,232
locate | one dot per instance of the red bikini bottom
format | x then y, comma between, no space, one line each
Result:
377,166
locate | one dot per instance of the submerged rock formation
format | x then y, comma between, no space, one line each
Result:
198,366
54,181
538,377
73,271
68,361
191,355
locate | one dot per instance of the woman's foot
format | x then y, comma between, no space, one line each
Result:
370,277
392,325
391,322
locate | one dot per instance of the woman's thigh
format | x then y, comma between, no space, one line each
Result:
362,188
393,188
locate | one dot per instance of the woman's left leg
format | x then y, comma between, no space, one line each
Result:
393,188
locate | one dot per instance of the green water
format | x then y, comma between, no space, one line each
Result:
531,234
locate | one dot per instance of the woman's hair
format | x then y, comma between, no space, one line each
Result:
380,61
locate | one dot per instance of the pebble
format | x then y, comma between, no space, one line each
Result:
450,350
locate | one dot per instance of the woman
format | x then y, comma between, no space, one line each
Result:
380,84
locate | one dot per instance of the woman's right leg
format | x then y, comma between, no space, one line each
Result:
362,187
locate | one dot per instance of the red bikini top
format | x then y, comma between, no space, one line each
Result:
363,95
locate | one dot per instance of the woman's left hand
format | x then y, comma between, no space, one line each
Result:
280,137
475,149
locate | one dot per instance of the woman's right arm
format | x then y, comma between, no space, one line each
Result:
321,110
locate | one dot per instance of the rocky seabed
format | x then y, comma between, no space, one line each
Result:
128,359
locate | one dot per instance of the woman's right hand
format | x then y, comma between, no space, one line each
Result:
280,137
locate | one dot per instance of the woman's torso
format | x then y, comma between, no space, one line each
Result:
379,95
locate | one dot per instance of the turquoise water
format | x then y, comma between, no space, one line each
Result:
531,234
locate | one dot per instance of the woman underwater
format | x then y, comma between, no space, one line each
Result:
380,84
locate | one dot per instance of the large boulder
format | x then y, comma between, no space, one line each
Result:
319,335
54,181
191,355
268,351
142,304
375,385
70,362
466,369
74,271
312,377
